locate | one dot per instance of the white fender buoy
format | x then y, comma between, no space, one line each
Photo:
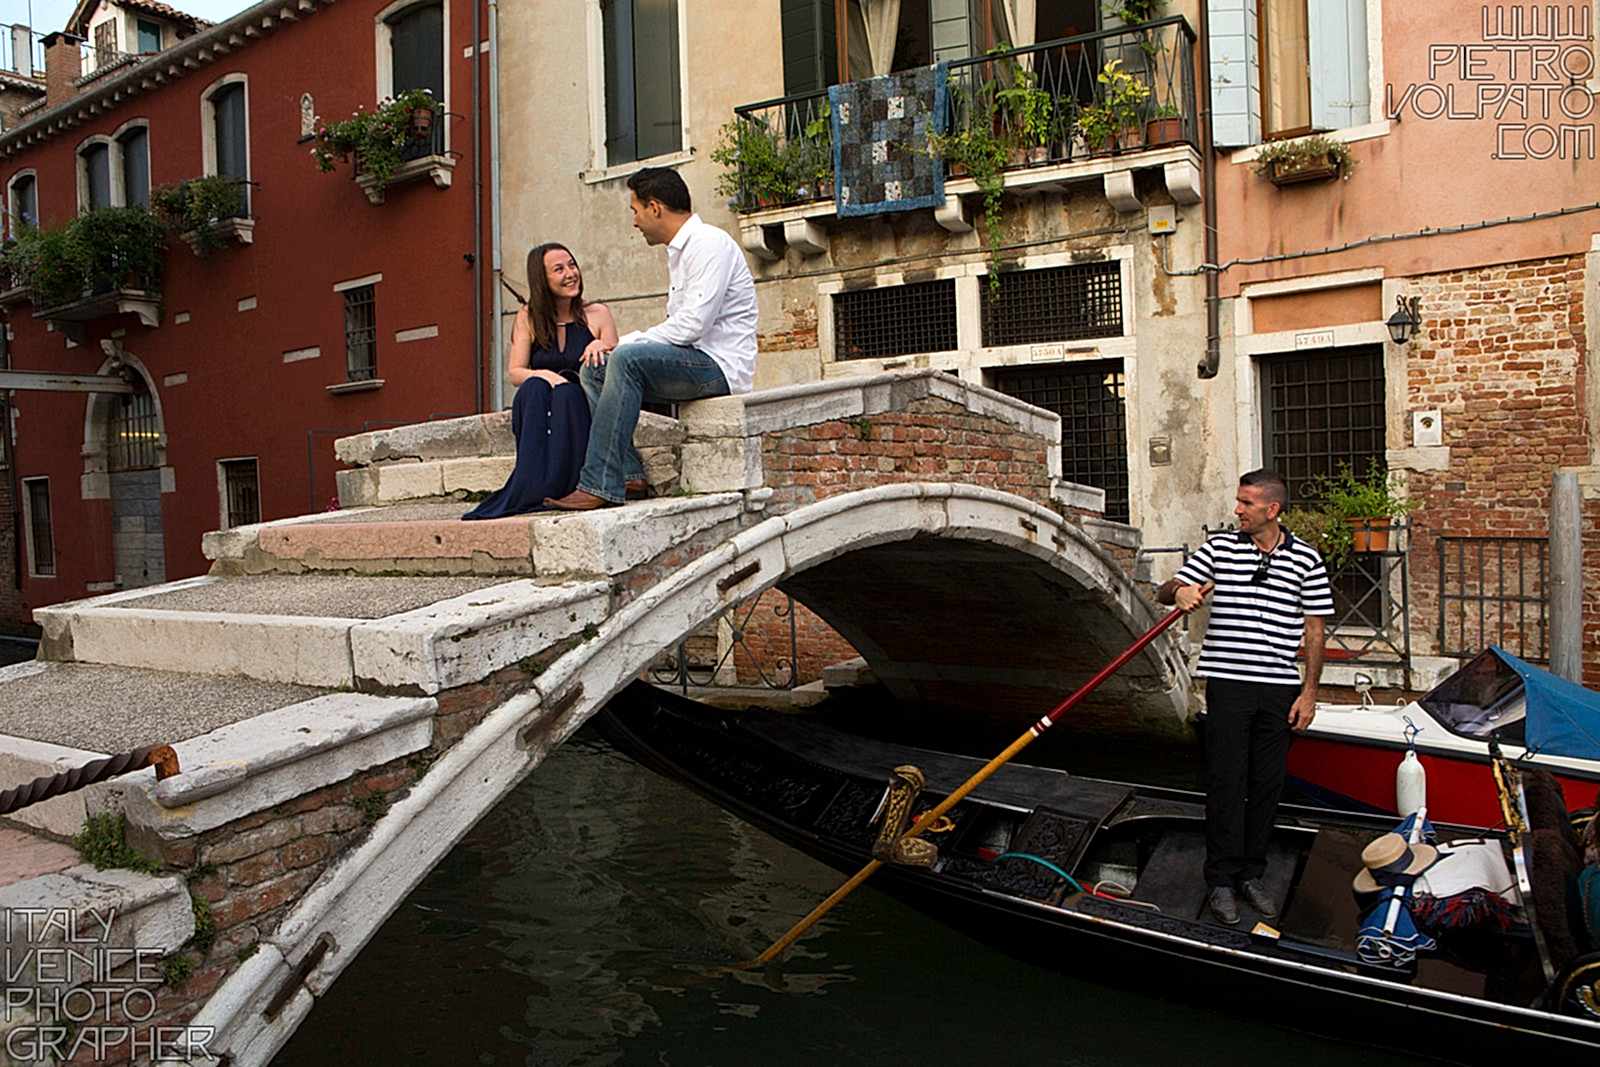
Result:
1410,784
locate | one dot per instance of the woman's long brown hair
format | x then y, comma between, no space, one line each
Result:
542,302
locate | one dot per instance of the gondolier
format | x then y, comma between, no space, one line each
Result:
1271,591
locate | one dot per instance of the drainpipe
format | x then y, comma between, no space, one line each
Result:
1212,359
477,205
499,385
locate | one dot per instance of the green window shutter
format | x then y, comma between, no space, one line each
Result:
810,46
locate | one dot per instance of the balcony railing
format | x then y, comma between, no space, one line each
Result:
1104,94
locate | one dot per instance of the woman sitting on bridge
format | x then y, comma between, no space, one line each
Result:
549,416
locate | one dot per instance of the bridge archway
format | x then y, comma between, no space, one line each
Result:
837,554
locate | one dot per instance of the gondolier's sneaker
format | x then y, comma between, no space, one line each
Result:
1222,906
1259,899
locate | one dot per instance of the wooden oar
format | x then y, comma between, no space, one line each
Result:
927,818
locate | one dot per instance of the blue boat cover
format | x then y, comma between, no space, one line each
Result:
1563,718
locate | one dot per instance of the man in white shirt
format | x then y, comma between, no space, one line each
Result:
706,347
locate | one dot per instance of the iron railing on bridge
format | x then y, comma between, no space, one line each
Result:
1492,590
707,658
1042,105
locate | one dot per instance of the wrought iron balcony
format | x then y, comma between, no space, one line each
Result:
1091,107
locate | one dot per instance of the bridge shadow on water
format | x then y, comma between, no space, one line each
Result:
584,921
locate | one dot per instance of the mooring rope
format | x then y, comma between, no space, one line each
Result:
161,757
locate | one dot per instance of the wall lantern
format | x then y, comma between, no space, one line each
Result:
1406,320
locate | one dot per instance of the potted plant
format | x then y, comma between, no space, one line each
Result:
1029,114
1369,504
1164,126
1304,159
974,149
100,251
757,171
817,163
1329,534
203,211
1123,97
421,126
375,141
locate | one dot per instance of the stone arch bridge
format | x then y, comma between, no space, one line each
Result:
350,692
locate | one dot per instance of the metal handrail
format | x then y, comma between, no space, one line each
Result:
161,757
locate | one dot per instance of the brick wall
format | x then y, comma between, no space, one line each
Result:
766,647
799,330
931,440
1501,355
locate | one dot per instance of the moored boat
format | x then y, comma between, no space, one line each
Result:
1349,756
1105,878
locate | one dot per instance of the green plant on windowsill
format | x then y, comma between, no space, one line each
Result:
1317,155
194,209
1368,504
1124,97
816,164
976,150
757,171
1329,534
1029,112
376,140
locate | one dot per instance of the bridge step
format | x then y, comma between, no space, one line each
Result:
429,539
468,457
336,632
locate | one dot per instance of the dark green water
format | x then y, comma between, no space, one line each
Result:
573,926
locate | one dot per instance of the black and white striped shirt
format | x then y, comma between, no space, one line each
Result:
1256,627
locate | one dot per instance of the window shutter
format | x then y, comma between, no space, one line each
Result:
1339,96
228,105
24,206
951,30
617,17
417,45
657,102
810,46
1235,73
97,161
136,168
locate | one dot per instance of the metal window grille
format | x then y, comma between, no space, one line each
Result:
895,320
133,432
1325,409
44,546
1091,399
361,333
242,492
1493,591
1054,304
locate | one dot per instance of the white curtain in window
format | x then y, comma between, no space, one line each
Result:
882,19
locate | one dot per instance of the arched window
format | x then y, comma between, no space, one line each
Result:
412,40
22,203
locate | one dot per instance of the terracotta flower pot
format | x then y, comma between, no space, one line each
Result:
1369,534
421,127
1163,131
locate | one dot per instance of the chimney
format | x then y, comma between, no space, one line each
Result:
63,65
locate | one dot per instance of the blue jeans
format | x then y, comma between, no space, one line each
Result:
632,374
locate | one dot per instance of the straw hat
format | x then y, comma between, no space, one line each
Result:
1389,859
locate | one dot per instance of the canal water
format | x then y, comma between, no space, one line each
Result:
580,923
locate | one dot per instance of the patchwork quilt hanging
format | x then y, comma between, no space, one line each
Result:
880,142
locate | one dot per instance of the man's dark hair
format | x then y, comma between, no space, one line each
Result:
663,185
1269,482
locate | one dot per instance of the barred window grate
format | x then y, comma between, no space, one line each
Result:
1091,398
39,530
1054,304
133,432
1324,409
361,333
895,320
241,492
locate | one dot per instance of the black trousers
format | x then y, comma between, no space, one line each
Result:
1247,739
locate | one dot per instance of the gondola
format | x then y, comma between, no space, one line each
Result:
1530,990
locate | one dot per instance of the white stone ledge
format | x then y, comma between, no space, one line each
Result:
255,764
613,540
1113,533
467,638
234,543
1073,495
143,911
23,759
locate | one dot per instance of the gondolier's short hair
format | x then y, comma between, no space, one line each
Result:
1269,482
663,185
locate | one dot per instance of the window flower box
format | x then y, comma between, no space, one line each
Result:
1309,159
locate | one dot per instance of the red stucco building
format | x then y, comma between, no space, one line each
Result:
330,307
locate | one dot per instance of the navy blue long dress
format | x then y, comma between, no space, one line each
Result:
551,425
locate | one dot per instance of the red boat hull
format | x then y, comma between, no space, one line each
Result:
1460,789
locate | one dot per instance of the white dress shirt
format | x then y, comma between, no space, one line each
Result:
711,304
